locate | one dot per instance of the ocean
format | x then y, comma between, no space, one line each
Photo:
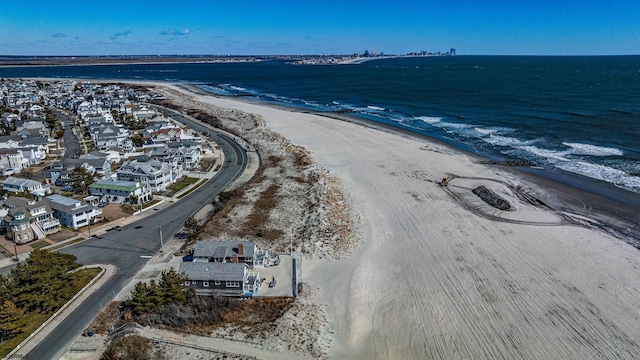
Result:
572,116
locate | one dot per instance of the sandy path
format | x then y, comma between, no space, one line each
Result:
433,280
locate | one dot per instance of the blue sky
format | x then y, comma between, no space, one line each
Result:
501,27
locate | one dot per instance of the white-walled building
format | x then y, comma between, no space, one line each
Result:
121,192
71,212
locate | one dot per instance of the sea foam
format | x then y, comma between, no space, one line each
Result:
592,150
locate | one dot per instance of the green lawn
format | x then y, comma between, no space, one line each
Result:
181,184
38,244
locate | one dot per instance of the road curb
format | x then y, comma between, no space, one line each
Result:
21,350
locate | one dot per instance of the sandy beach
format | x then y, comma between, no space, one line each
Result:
441,275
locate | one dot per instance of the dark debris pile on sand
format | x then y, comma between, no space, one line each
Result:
491,198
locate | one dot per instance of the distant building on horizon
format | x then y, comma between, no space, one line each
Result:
452,51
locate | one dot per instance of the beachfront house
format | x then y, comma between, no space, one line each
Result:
208,278
244,252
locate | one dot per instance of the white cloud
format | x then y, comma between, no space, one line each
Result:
175,32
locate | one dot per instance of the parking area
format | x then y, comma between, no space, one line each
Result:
283,275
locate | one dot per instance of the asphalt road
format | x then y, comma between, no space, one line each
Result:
71,144
124,247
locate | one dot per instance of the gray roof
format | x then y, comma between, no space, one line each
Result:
35,140
7,138
66,204
17,204
21,182
97,163
223,249
213,271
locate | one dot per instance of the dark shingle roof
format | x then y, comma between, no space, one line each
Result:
222,249
213,271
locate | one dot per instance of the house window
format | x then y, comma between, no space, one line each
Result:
205,283
186,283
217,282
193,282
233,284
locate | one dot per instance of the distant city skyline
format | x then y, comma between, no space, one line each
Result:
285,27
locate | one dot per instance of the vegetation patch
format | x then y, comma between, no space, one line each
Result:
34,290
206,165
133,347
182,183
108,316
198,184
127,209
150,203
39,244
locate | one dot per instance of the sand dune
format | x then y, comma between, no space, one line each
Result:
434,280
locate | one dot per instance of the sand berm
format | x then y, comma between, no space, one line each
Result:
440,275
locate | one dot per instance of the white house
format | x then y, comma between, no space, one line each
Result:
121,192
156,175
71,212
16,185
12,161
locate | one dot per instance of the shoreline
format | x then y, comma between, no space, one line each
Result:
614,206
432,279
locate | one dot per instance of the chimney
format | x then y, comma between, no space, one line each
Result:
240,249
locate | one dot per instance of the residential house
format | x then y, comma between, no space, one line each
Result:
111,136
71,212
19,228
163,136
143,114
10,141
246,252
12,161
98,167
9,118
17,185
187,153
32,155
36,215
155,174
30,124
40,143
221,279
121,192
96,160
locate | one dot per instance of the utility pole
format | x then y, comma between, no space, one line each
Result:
15,249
